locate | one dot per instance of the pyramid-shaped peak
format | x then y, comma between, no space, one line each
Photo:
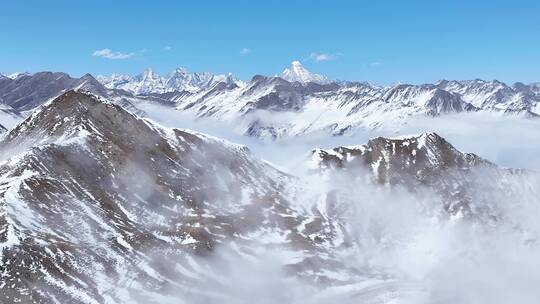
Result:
67,114
297,73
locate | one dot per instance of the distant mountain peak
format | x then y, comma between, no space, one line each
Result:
180,79
14,75
297,72
19,74
412,161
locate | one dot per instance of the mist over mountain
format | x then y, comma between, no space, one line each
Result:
269,152
340,191
295,104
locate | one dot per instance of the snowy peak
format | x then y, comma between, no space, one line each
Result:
150,82
94,173
69,113
417,162
18,75
416,153
427,150
297,72
15,76
114,81
88,83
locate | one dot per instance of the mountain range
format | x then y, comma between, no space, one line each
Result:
150,82
100,205
260,106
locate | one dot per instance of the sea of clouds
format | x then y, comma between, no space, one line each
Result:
419,255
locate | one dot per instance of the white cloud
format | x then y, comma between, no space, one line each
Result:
406,237
245,51
168,48
377,62
320,57
110,54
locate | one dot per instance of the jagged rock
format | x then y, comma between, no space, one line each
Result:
100,205
426,161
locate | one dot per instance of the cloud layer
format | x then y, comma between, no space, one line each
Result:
320,57
110,54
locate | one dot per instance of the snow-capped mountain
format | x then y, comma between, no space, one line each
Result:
19,74
97,200
496,95
341,108
149,82
99,205
181,80
416,161
333,108
258,107
102,206
29,91
297,72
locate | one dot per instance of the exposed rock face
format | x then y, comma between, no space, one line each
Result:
342,108
519,99
257,105
335,107
426,161
29,91
25,92
99,205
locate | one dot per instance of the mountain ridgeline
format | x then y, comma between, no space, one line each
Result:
257,105
101,205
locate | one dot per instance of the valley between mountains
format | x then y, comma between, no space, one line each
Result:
106,198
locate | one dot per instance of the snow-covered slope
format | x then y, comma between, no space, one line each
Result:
297,72
273,107
425,160
149,82
337,109
19,74
29,91
519,99
9,118
101,206
261,105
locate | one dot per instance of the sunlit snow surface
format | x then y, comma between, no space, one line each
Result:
426,257
368,244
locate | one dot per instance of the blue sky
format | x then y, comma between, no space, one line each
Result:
378,41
